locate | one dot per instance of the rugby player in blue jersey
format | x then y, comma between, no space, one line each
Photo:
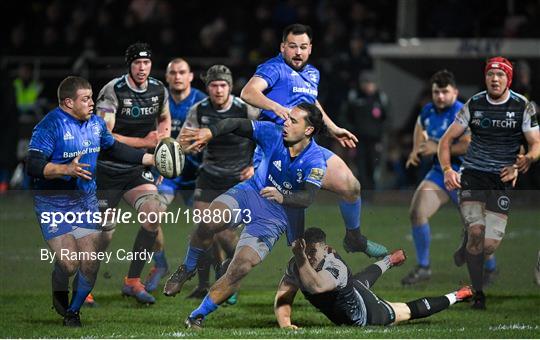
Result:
62,158
287,80
270,203
433,120
181,98
500,120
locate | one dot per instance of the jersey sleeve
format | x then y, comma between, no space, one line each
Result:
43,138
106,140
421,117
266,134
315,171
530,118
463,117
337,269
191,121
107,101
269,72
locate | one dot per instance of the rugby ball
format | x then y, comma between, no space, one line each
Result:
169,158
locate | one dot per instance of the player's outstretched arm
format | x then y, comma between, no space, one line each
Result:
344,136
283,303
451,178
252,93
39,167
198,138
128,154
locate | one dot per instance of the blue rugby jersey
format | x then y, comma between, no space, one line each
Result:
179,111
287,86
436,123
61,137
277,169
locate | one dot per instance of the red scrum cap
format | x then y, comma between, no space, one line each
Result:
501,63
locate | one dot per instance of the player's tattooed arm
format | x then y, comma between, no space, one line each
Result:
164,123
283,302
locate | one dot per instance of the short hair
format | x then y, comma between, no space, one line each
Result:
314,117
70,85
443,78
297,29
178,61
314,235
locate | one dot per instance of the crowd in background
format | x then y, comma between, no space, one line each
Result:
244,34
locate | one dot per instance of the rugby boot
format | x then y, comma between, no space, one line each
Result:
154,277
194,323
459,254
479,300
174,284
89,301
198,293
232,300
60,302
397,257
134,288
464,293
72,319
417,275
354,241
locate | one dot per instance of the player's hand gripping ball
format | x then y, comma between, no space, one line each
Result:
169,158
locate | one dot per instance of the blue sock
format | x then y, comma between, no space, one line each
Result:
159,259
490,264
350,212
81,288
206,307
192,257
422,238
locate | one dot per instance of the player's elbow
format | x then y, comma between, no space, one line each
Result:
35,164
245,94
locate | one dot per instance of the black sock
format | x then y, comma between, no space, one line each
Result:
475,265
203,268
425,307
369,275
60,279
143,242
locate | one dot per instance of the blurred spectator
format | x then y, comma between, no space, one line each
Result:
364,114
27,90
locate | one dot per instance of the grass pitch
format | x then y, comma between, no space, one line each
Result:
513,301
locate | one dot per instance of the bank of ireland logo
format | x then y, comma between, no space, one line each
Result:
86,143
503,202
287,185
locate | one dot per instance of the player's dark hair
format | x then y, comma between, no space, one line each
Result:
69,86
314,117
297,29
443,78
136,51
314,235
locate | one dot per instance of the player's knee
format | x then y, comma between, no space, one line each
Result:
151,206
416,216
69,267
206,231
490,247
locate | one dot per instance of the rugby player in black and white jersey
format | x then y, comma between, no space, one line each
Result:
136,111
499,120
346,299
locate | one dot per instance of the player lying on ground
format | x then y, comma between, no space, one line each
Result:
62,158
346,299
